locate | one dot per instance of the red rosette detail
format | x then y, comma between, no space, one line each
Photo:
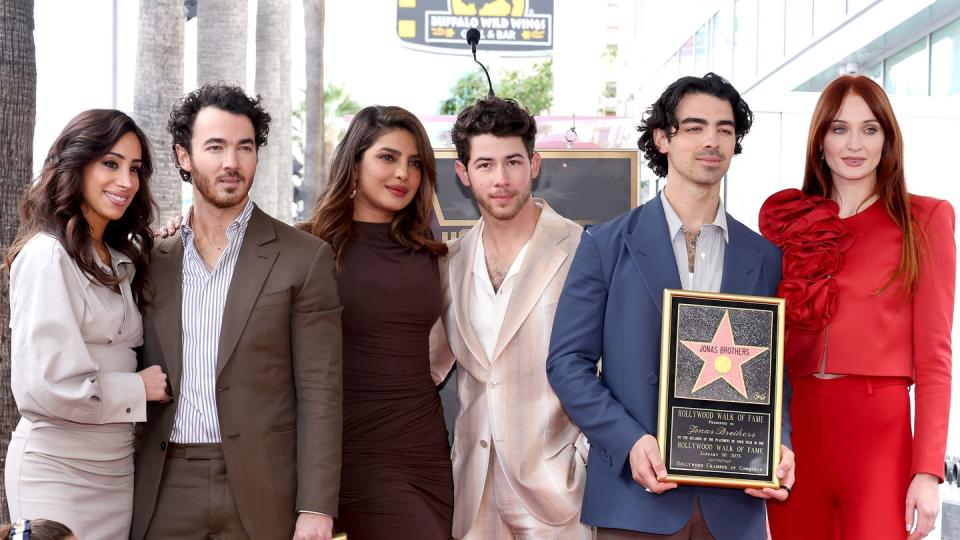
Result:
810,303
811,261
813,238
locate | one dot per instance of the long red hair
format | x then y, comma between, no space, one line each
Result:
891,187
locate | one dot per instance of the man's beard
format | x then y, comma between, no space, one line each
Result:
505,213
205,187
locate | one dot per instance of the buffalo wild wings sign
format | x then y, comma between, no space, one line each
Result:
517,26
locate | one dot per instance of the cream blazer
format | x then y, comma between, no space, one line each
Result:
507,399
72,355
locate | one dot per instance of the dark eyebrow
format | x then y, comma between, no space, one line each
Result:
219,140
393,151
486,158
121,156
870,121
703,122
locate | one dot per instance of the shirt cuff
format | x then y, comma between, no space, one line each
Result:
315,513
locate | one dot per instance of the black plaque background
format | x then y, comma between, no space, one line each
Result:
673,401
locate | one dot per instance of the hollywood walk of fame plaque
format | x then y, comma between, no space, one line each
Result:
721,383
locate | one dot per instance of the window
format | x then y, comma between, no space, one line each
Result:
610,89
744,41
670,71
686,58
945,60
905,73
722,37
875,72
771,35
611,53
701,54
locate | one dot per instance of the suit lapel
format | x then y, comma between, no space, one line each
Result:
257,254
741,261
166,275
543,259
461,276
652,253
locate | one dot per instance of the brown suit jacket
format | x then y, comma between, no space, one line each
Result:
279,381
507,398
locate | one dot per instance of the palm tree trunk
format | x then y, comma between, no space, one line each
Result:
159,83
273,188
18,108
222,42
314,152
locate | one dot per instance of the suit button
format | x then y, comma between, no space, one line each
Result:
163,445
652,378
483,444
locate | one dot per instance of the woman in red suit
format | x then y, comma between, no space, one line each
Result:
868,277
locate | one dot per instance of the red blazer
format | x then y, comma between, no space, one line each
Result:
886,334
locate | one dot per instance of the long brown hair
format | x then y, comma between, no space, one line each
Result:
891,187
333,215
53,204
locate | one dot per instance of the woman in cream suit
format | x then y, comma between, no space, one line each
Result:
76,279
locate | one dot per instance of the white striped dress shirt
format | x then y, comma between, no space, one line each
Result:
204,298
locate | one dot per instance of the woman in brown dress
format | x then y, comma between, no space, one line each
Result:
375,212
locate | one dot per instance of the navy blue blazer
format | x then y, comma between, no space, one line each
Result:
611,308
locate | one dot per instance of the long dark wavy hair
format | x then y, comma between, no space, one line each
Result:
891,184
53,204
333,215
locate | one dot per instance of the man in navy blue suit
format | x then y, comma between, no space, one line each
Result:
611,305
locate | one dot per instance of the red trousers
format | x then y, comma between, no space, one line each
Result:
852,440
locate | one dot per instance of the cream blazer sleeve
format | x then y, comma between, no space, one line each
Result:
53,373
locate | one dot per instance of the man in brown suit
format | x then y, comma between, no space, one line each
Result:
246,323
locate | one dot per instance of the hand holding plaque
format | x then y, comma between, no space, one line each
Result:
720,389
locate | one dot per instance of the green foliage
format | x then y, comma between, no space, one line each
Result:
337,103
533,91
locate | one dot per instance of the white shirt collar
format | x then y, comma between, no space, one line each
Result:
674,224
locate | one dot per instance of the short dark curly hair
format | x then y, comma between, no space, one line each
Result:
662,115
500,117
223,96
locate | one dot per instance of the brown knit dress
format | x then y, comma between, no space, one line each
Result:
396,480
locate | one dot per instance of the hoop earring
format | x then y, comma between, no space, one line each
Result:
353,193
